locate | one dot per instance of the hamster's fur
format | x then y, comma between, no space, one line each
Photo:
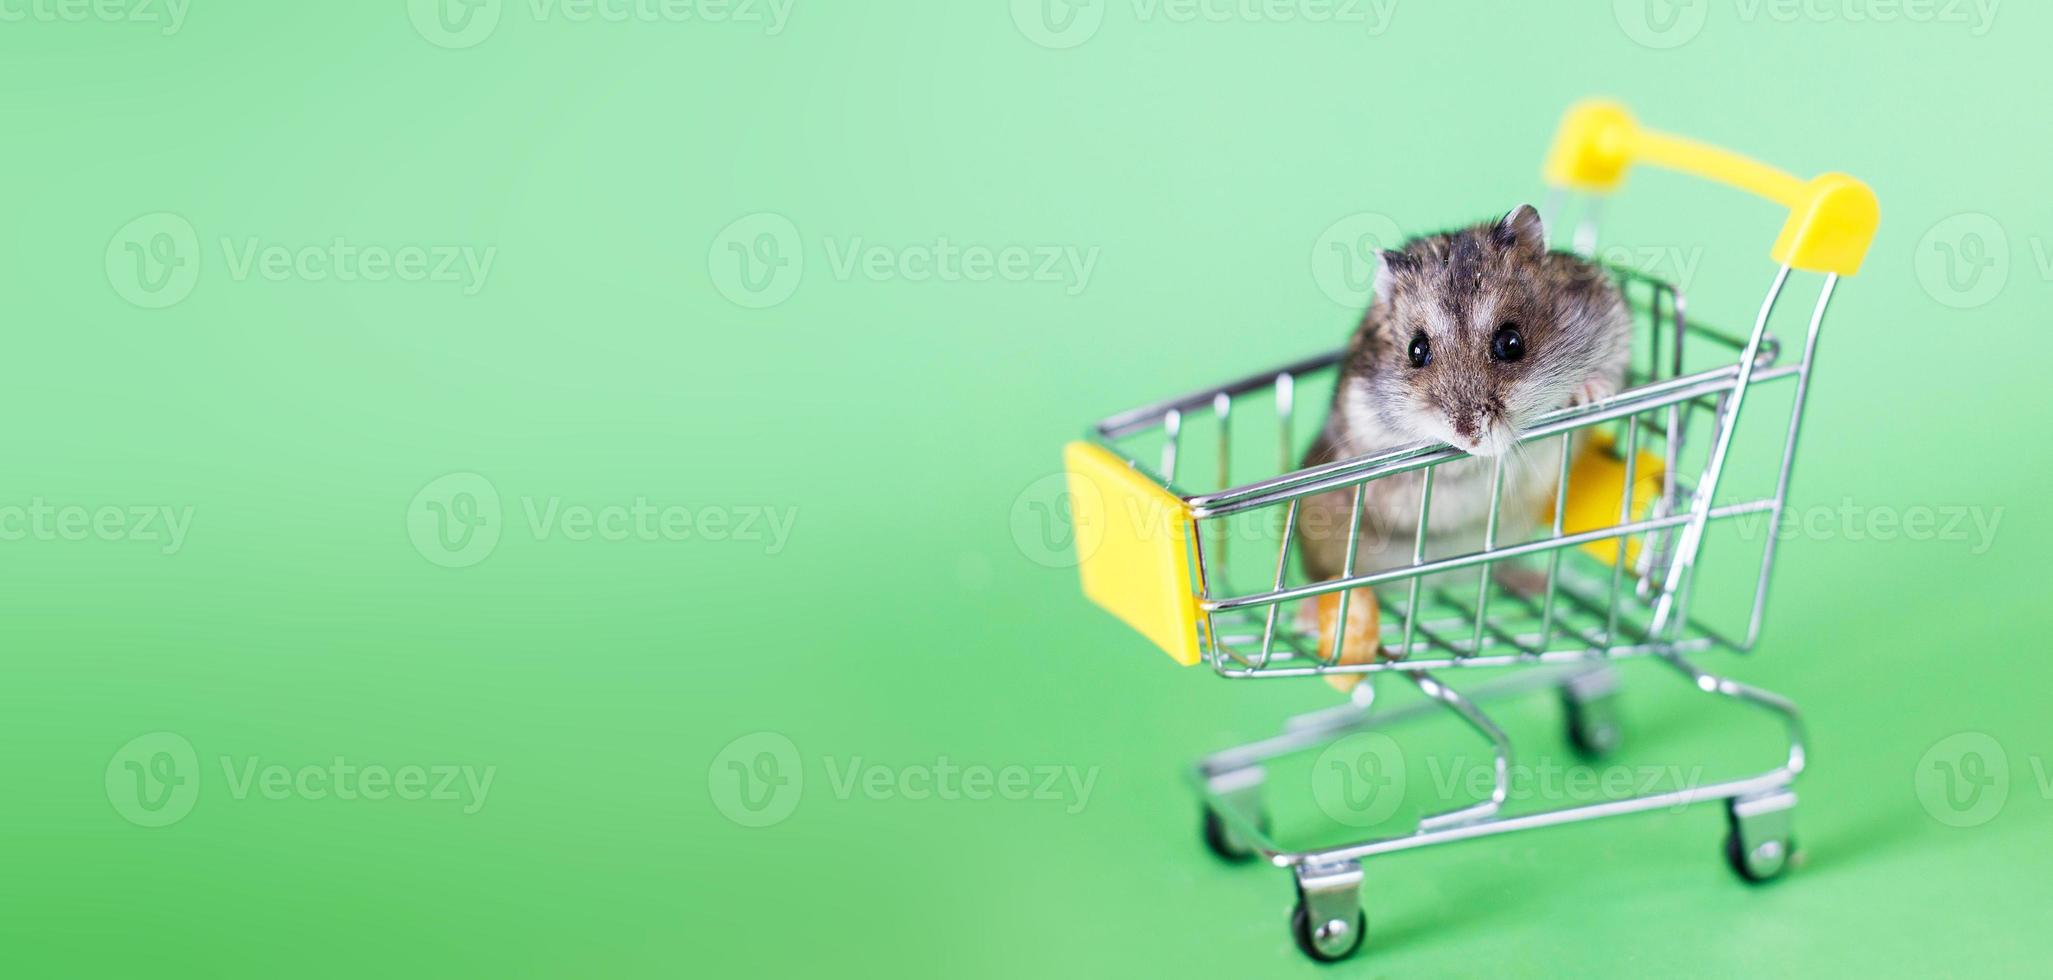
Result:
1453,296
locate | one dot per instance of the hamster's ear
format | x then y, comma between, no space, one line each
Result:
1387,264
1522,229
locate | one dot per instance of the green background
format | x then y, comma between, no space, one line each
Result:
910,616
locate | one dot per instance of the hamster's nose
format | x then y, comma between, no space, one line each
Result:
1463,420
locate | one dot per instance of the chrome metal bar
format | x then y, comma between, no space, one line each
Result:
1148,416
1286,400
1796,417
1632,458
1678,433
1577,655
1526,643
1132,421
1654,332
1282,569
1222,412
1675,799
1489,545
1766,352
1354,534
1201,569
1692,537
1435,640
1784,708
1317,727
1589,639
1560,514
1635,642
1634,635
1500,744
1328,476
1172,432
1475,558
1418,557
1654,552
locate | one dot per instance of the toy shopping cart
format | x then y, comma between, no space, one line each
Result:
1203,565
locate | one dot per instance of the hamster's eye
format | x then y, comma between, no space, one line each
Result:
1421,352
1508,344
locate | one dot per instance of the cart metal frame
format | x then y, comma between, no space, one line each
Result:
1590,614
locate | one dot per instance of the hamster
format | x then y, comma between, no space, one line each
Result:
1471,334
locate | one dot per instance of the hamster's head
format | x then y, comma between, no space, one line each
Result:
1483,330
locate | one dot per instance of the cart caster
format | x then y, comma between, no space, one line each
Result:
1759,845
1332,942
1240,789
1589,703
1224,843
1328,922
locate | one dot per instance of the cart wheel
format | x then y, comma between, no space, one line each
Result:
1591,739
1329,942
1328,922
1221,842
1769,862
1758,842
1590,708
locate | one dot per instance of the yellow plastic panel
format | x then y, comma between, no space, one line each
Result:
1133,548
1596,490
1832,218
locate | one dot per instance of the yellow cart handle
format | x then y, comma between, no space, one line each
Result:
1832,216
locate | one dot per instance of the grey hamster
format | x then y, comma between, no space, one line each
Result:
1471,335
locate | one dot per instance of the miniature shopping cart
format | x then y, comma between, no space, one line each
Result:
1176,539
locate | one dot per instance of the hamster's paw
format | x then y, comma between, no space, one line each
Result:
1360,636
1594,390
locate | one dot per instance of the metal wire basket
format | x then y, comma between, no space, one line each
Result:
1202,565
